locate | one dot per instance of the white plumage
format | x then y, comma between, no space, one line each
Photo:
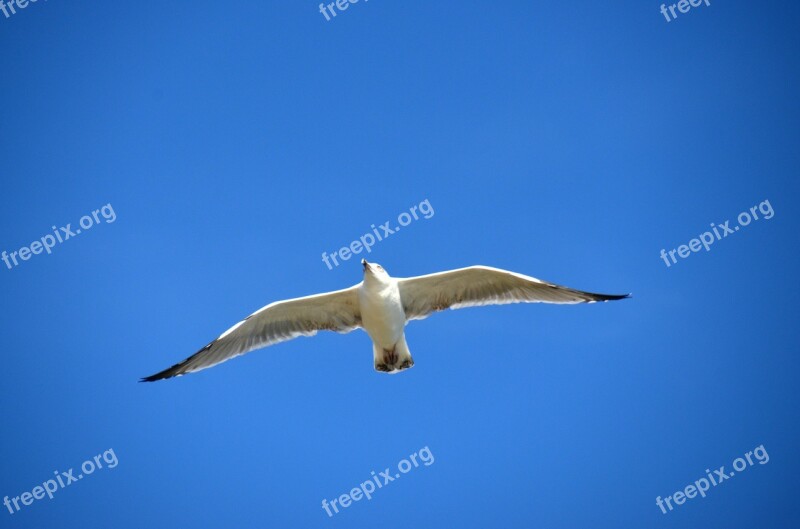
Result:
382,306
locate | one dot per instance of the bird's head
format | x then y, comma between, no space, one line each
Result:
374,270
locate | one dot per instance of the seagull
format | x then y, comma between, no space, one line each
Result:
381,305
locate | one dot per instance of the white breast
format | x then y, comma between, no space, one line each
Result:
382,313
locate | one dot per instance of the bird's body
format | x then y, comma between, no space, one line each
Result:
384,320
382,306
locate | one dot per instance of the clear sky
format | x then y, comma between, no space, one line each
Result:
235,142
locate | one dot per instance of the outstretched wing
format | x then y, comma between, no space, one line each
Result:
483,285
277,322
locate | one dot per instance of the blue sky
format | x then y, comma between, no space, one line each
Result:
236,142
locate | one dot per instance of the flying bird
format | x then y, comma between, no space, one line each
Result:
381,305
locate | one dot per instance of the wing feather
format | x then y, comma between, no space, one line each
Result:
277,322
483,285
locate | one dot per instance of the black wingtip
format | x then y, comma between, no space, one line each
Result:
619,296
170,372
611,297
178,369
158,376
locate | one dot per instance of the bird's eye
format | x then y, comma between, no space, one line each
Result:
380,267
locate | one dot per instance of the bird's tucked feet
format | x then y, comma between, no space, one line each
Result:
408,362
389,356
393,361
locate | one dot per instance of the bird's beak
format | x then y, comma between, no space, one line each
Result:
365,263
